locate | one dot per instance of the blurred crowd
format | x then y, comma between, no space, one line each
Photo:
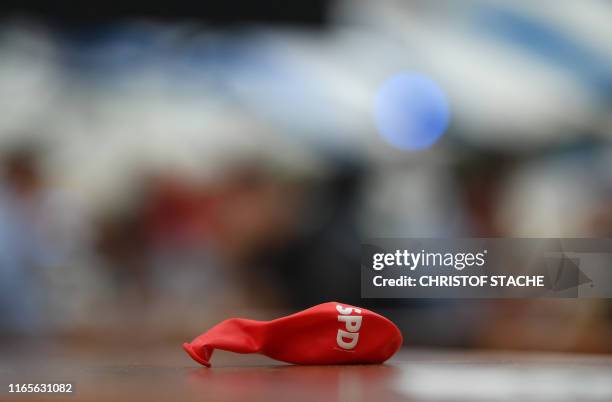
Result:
157,177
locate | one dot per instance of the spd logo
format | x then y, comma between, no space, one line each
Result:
347,339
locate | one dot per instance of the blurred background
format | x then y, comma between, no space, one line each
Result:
162,170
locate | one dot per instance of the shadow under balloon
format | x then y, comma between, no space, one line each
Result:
296,383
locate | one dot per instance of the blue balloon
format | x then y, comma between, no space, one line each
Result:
411,111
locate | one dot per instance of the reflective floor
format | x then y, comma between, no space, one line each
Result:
166,373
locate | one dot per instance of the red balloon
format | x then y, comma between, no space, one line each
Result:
329,333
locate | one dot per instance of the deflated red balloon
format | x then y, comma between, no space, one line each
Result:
329,333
